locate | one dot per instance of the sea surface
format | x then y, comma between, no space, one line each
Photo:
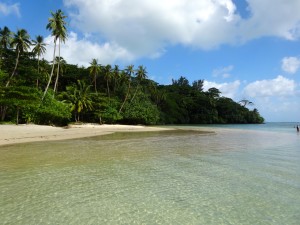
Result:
241,174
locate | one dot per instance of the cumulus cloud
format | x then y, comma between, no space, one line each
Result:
148,27
290,64
272,18
227,89
279,87
82,51
6,9
276,109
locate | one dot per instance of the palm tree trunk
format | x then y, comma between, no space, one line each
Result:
137,87
3,112
37,80
115,84
14,71
127,94
18,111
95,80
107,89
50,78
57,74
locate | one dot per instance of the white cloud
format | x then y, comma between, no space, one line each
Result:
223,72
272,18
290,64
82,51
227,89
280,87
148,27
278,109
6,9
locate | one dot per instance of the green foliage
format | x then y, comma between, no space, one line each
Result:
100,93
232,112
79,98
3,76
52,111
141,111
18,99
107,111
186,104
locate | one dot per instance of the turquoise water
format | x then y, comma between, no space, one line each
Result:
286,127
244,175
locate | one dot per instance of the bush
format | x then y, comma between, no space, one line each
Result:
141,111
52,111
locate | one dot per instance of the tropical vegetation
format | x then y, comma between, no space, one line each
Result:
33,90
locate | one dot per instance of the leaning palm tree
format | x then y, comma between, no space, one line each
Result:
39,49
127,76
21,42
59,70
57,26
94,71
141,74
44,71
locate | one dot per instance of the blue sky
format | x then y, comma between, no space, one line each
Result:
249,49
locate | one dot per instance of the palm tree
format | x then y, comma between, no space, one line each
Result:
5,41
94,71
116,75
127,76
141,75
21,42
39,49
5,37
57,26
107,77
158,96
60,70
79,98
44,71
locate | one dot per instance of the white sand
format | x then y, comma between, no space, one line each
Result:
12,134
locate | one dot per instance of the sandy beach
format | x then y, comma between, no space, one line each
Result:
14,134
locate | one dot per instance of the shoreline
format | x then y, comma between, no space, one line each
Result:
25,133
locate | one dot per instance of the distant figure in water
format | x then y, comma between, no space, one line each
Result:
297,128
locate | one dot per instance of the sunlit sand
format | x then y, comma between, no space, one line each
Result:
13,134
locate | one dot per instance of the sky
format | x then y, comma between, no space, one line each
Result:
248,49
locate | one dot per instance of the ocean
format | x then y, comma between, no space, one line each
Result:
241,174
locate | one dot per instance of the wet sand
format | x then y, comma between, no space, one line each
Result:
14,134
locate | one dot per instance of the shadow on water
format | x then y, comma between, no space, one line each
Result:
150,134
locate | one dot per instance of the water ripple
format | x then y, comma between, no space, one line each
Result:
228,178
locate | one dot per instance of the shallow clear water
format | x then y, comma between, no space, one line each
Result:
239,176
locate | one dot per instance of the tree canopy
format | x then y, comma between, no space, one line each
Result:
100,93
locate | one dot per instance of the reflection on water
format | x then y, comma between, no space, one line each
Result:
232,177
